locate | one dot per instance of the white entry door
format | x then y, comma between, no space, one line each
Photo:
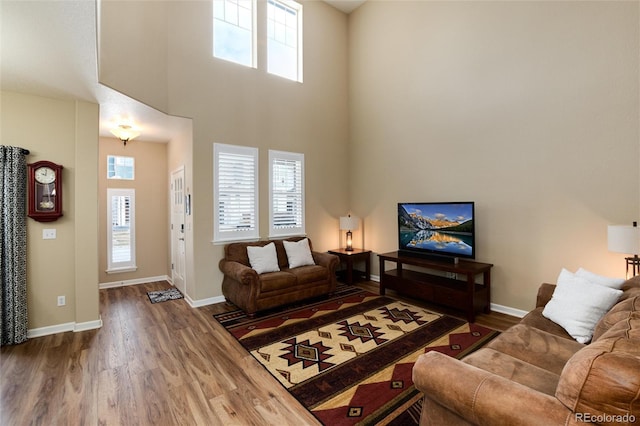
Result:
178,252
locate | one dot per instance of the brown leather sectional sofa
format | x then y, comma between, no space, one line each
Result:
536,374
253,292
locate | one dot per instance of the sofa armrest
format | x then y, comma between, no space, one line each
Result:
544,294
483,398
238,272
328,260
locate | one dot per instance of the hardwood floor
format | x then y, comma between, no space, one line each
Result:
162,364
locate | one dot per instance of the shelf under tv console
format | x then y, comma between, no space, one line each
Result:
465,295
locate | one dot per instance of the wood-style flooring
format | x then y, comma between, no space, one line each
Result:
150,364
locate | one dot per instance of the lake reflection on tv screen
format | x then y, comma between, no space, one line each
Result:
447,242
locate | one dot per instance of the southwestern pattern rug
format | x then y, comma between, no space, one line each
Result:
348,359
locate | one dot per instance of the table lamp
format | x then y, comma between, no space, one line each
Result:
349,223
626,239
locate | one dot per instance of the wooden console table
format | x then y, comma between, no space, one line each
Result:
467,295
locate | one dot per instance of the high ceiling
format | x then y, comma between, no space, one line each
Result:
48,48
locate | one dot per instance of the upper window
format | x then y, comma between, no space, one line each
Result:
286,194
284,34
120,167
234,31
235,197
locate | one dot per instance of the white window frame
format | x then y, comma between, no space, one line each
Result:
298,228
116,159
229,20
113,266
297,7
248,157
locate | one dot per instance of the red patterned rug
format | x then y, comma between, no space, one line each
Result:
348,358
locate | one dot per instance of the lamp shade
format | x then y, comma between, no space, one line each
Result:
349,223
623,239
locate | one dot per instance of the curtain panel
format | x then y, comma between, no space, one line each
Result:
13,246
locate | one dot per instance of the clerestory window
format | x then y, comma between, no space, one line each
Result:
234,31
284,35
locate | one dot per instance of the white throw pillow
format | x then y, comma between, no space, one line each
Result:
577,305
599,279
298,253
263,259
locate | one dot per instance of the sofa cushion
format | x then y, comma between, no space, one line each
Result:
577,305
514,369
535,319
536,347
603,379
309,274
618,313
298,253
274,281
263,259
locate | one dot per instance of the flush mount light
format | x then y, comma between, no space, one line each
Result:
125,133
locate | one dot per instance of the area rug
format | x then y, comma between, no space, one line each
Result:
348,359
164,295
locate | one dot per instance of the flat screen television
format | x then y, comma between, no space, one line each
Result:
443,230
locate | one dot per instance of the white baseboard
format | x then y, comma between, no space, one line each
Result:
136,281
508,310
203,302
62,328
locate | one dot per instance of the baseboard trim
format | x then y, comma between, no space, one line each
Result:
508,310
204,302
63,328
136,281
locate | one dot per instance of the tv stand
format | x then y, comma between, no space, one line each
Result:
467,295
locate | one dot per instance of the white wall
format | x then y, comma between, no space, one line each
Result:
530,109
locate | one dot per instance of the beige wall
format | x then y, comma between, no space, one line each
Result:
530,109
237,105
152,221
64,132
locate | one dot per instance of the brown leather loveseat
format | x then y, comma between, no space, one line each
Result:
253,292
536,374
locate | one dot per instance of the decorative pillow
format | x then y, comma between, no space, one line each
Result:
298,253
599,279
577,305
263,259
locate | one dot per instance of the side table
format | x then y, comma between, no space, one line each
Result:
349,257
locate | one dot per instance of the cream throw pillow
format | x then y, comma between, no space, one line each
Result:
578,304
298,253
263,259
599,279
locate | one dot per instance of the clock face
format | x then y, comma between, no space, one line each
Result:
45,175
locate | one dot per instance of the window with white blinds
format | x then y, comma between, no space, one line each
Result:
286,194
121,236
235,198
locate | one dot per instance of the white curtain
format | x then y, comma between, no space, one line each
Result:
13,245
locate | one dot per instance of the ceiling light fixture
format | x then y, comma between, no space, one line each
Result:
125,133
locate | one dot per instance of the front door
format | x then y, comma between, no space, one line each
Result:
178,252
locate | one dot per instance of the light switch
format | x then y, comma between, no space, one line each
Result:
48,234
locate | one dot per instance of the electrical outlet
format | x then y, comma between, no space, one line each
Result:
49,234
62,300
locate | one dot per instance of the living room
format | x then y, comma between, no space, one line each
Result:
530,109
